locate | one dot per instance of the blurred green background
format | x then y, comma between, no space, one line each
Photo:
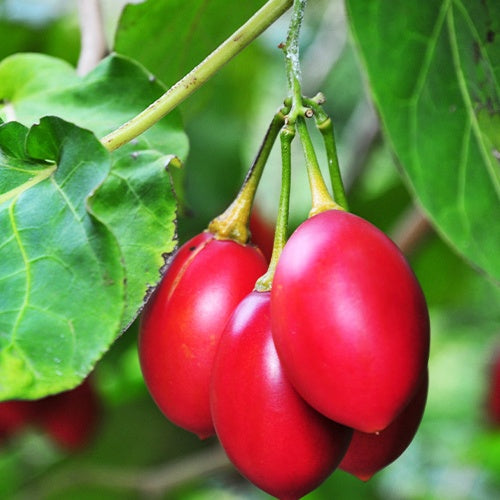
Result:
136,452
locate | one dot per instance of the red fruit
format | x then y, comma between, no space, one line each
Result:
262,233
184,319
368,453
70,418
271,435
349,320
493,394
14,415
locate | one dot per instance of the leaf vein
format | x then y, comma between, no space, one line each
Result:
488,159
477,37
141,202
41,176
462,176
27,267
425,67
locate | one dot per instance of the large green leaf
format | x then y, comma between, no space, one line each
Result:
131,199
179,34
81,243
35,85
61,279
138,205
434,69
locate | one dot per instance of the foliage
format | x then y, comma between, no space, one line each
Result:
72,215
81,248
435,77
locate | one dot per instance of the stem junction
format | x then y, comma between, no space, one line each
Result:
300,109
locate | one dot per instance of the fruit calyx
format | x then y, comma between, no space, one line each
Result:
232,224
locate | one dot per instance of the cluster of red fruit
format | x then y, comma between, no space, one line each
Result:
327,370
69,418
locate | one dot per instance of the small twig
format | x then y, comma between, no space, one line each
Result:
410,230
149,482
198,76
93,40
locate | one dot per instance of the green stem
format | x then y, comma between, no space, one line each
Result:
321,199
325,126
259,22
292,62
286,137
233,222
326,129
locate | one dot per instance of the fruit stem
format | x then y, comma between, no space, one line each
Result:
292,61
197,77
264,283
321,199
325,125
301,107
232,224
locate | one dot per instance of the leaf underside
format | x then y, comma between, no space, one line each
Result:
434,69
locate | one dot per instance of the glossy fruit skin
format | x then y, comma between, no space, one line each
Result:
350,322
369,453
182,323
271,435
70,418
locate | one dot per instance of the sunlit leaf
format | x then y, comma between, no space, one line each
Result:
82,242
35,85
61,278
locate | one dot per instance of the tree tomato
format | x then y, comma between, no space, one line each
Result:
14,415
70,418
182,323
269,432
349,320
262,233
368,453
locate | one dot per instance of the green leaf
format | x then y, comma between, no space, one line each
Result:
137,204
35,85
130,203
61,279
216,113
179,34
434,73
57,37
82,242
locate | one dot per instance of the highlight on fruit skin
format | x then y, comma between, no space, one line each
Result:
369,453
349,320
273,437
182,323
